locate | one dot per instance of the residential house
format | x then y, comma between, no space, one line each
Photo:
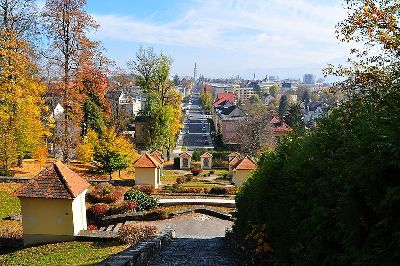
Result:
279,127
53,205
244,94
226,118
314,111
126,101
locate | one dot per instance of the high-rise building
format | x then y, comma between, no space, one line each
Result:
195,72
309,79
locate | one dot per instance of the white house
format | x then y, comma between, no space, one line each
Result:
53,205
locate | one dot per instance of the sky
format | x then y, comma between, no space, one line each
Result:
226,38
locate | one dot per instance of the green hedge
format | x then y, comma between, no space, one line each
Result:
332,196
144,202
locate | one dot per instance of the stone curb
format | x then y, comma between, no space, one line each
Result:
142,253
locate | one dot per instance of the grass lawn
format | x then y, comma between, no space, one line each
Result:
8,203
69,253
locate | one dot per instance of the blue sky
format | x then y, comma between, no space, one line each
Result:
225,37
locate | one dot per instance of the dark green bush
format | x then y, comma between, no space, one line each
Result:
196,171
144,202
332,196
177,163
180,180
222,190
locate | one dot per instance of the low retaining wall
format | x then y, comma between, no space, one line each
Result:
247,253
142,253
206,202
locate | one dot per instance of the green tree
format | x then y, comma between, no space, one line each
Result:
273,90
305,98
283,103
113,152
163,105
92,117
254,99
336,211
294,117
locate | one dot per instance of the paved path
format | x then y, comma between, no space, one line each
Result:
209,202
199,241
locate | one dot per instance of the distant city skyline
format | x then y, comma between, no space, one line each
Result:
285,38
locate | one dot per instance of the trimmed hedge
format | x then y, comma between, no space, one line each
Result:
144,202
331,196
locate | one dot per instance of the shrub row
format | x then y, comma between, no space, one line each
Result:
105,193
135,232
331,196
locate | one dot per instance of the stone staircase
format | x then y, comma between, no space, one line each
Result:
105,232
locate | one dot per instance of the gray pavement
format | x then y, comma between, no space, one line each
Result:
196,131
199,241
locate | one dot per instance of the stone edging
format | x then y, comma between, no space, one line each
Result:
141,253
137,216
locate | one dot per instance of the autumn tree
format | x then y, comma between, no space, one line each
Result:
67,24
22,131
254,132
206,101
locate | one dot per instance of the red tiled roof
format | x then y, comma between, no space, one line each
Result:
157,155
245,164
185,155
227,96
206,155
54,182
236,154
207,88
218,102
146,161
234,161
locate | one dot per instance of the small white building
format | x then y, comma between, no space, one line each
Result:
185,161
233,155
206,161
53,205
147,171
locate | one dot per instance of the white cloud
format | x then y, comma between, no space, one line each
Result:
282,31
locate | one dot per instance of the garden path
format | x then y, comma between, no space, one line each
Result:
199,241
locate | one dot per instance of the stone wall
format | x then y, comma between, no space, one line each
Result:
142,253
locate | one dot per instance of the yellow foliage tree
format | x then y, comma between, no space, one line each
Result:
21,130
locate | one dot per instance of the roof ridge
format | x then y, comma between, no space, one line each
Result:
62,178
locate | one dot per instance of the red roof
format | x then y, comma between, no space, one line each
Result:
185,155
245,164
218,102
54,182
206,155
157,155
234,161
207,88
234,154
146,161
227,96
